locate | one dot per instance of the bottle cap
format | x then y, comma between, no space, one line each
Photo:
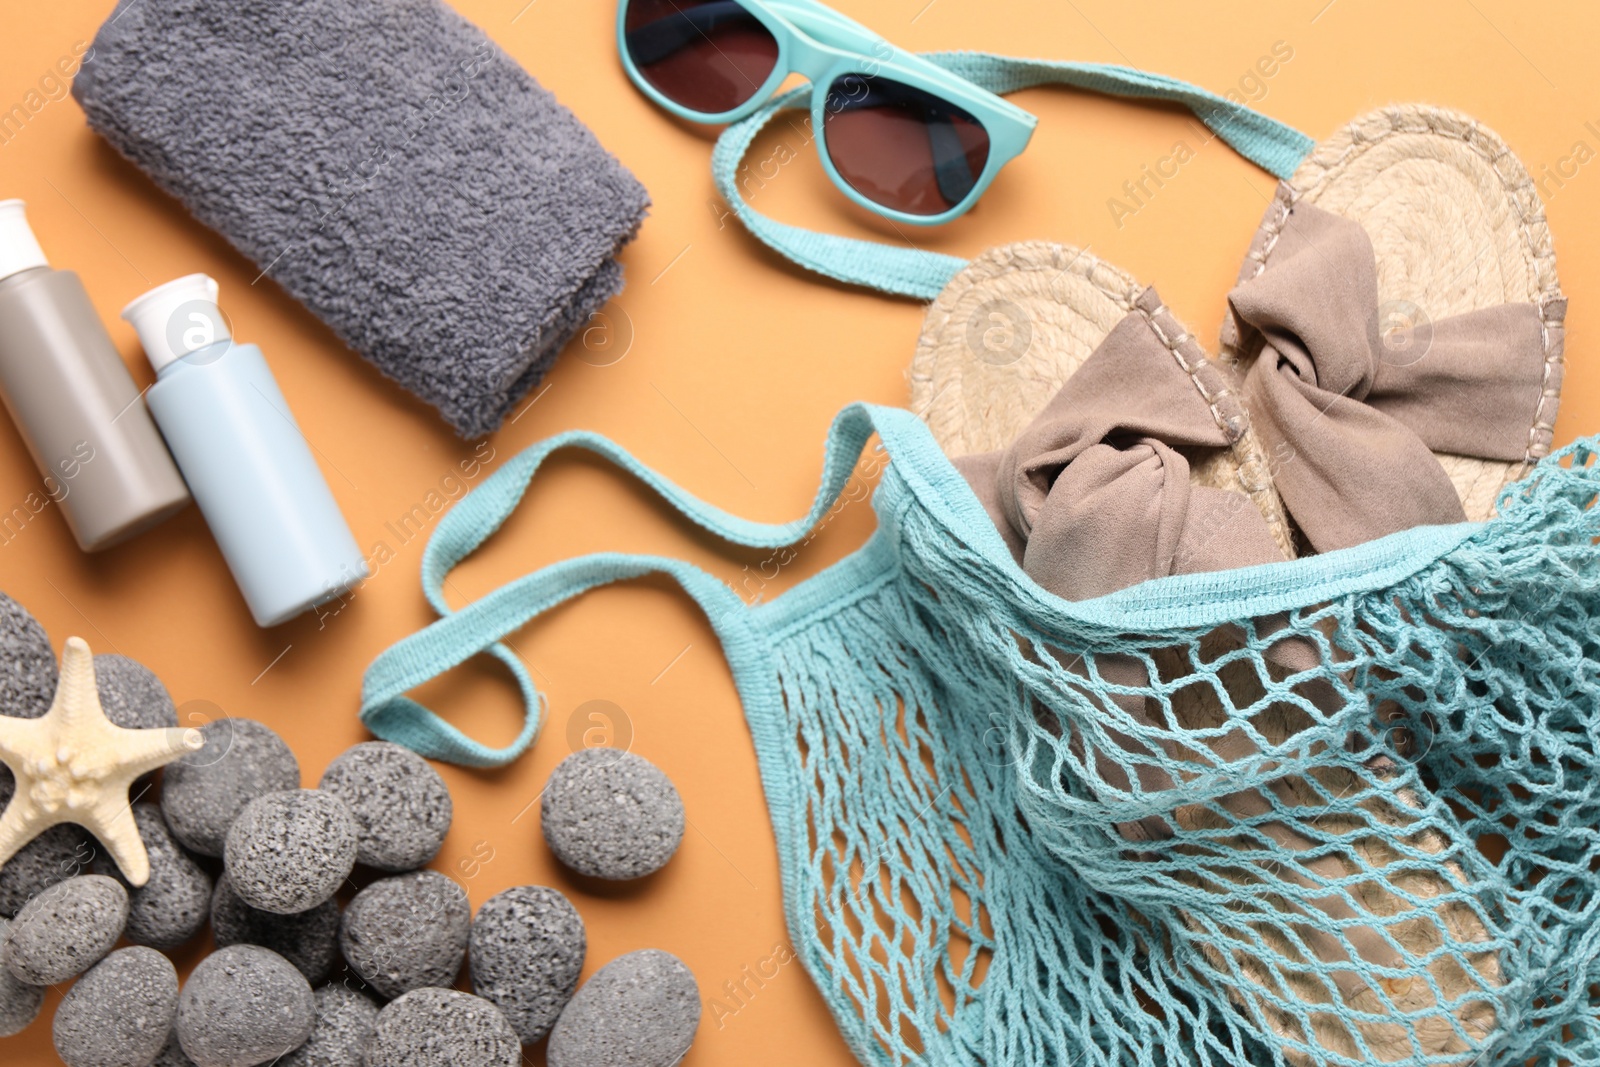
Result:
178,318
19,249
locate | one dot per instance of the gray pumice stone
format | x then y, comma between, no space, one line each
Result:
406,932
120,1013
28,670
443,1028
611,814
639,1010
288,852
62,851
66,929
19,1001
28,675
172,906
345,1021
526,949
242,1006
309,940
400,804
203,792
131,694
172,1054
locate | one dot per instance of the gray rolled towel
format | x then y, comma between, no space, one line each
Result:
389,166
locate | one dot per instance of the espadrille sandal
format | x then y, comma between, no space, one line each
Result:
1006,340
1420,231
1128,472
1427,342
1451,285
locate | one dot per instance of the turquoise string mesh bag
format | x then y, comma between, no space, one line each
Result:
1384,852
1341,810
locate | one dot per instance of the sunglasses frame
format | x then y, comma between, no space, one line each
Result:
822,45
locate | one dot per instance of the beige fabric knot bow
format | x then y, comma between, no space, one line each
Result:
1351,415
1095,495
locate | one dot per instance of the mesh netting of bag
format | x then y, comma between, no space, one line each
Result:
1364,830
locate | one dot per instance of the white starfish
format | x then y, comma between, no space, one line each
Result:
75,765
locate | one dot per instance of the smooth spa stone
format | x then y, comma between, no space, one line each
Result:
343,1030
288,852
443,1028
66,929
639,1010
120,1013
526,949
407,932
611,814
308,939
203,792
173,905
244,1005
400,804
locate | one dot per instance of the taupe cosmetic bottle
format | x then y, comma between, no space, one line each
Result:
77,407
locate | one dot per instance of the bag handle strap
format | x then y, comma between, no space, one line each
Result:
1271,145
482,625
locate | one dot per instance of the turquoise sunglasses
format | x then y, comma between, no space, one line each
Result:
899,135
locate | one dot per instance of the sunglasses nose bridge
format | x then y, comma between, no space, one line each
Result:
809,59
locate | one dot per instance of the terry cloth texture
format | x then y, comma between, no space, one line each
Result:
389,166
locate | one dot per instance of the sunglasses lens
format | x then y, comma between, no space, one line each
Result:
709,56
902,147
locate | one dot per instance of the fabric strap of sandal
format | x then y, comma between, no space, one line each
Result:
1095,495
1352,415
908,271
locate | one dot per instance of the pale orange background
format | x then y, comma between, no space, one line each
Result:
732,365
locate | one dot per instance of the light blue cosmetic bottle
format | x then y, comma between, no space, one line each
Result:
248,466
